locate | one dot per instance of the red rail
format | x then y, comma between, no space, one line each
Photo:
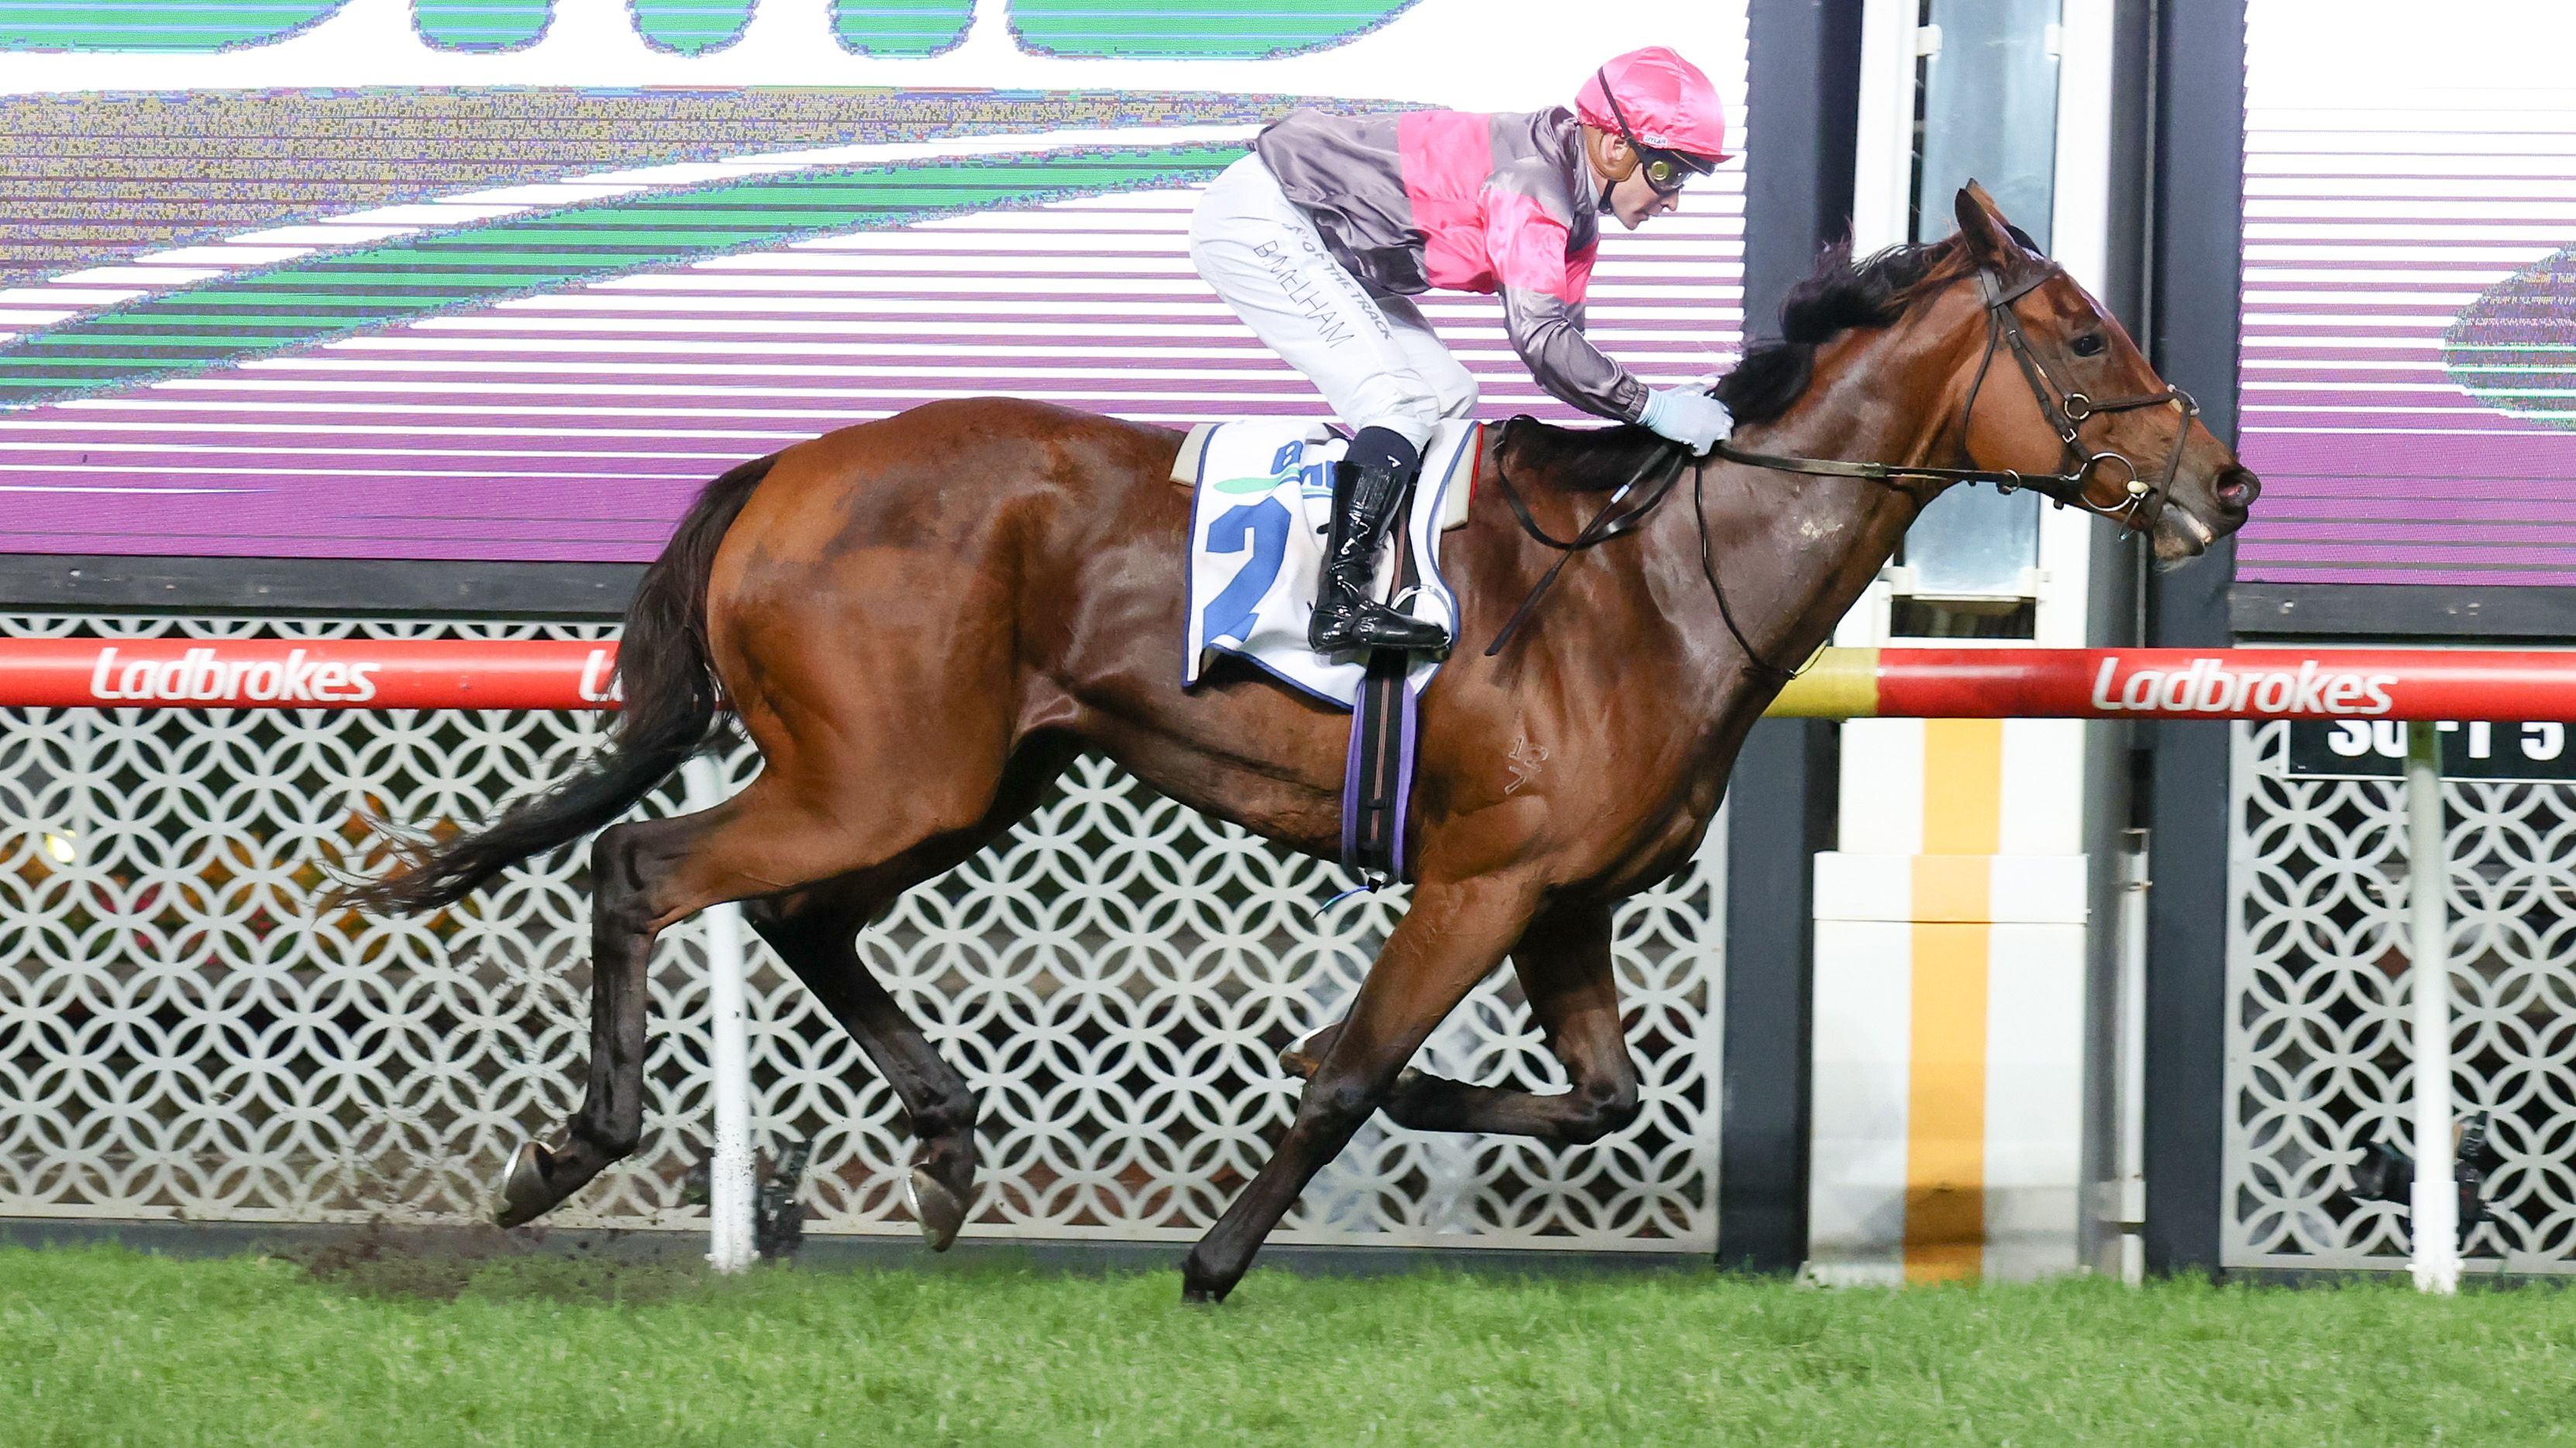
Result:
1843,683
306,674
2186,684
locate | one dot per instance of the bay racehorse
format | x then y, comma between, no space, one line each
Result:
921,620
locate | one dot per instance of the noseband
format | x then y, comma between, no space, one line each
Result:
2066,412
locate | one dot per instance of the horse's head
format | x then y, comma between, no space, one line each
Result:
2092,407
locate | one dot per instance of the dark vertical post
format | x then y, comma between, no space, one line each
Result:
2198,230
1804,70
1780,812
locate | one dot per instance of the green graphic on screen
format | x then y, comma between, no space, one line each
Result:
481,25
1195,29
900,29
690,27
343,293
155,25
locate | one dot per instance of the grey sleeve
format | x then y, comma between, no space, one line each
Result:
1548,334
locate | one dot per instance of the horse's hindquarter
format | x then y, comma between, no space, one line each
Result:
906,600
856,610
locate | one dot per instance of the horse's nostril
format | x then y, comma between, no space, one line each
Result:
2238,488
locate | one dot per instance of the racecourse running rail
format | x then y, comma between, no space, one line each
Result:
2418,686
2257,684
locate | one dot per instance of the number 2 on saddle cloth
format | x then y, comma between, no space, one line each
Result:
1379,767
1378,775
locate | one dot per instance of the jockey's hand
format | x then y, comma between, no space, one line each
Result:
1687,416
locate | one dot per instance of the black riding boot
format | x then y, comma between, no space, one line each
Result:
1346,618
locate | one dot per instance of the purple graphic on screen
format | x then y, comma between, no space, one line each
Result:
577,425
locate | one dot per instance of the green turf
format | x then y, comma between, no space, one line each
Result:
101,1347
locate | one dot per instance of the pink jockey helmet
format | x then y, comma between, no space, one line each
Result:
1668,102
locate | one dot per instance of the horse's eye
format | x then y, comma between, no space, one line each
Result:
2088,345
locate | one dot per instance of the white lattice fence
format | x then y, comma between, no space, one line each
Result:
180,1038
2318,1035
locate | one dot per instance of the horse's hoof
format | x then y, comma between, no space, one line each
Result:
1297,1063
1199,1288
935,1207
524,1196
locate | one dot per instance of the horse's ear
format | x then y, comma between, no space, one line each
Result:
1992,240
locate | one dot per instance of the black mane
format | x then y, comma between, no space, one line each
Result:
1841,293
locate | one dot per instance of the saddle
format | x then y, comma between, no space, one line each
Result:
1193,454
1260,507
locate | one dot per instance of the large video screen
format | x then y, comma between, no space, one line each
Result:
492,280
2409,356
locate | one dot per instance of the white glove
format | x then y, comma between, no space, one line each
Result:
1691,418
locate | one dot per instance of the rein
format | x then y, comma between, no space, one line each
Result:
1606,525
2065,411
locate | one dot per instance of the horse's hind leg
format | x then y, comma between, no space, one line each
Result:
627,862
777,835
1565,969
815,931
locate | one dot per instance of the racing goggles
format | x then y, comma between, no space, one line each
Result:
1666,171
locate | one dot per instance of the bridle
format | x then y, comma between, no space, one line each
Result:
2065,411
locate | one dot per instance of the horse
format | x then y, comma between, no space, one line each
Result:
921,620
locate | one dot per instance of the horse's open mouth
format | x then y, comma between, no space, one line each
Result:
2181,536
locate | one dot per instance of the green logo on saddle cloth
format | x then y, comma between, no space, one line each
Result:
1251,485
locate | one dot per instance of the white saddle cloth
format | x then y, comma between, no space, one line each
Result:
1260,509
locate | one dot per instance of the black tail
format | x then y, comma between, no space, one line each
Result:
669,688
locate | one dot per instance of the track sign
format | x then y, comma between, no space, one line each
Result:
2376,749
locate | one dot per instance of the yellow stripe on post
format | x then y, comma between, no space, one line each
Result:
1953,880
1963,787
1953,889
1945,1122
1839,684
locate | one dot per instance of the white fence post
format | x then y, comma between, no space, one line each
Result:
729,1177
2129,1170
2435,1210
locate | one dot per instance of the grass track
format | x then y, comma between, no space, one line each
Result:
103,1346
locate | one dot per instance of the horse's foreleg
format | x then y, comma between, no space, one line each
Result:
1565,969
1449,940
816,934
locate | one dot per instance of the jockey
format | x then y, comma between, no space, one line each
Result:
1320,236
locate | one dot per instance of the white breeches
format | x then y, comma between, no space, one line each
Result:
1375,359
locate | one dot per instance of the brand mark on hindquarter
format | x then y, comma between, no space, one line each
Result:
1524,759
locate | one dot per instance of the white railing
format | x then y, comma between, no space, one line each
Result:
181,1038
